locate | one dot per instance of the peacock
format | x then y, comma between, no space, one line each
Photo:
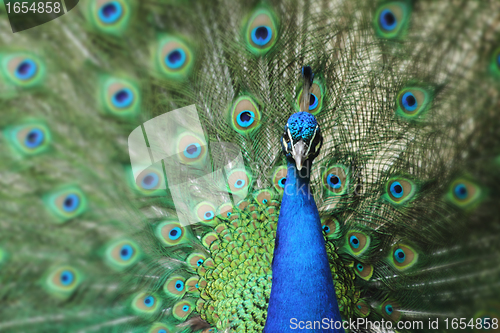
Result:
252,166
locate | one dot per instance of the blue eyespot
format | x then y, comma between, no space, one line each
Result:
150,181
162,331
389,309
281,182
461,191
239,183
185,308
176,58
196,285
333,181
388,20
409,101
67,278
359,307
110,12
313,102
71,203
354,241
228,214
326,228
34,138
360,267
209,215
179,285
399,255
396,189
175,233
192,150
123,98
245,118
126,252
199,262
149,301
261,35
264,201
26,69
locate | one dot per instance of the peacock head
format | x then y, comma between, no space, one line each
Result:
302,139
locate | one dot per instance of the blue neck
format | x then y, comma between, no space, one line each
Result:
302,288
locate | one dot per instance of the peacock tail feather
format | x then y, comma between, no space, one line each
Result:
146,156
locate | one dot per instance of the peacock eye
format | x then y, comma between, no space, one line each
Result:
23,70
388,20
360,267
110,12
413,102
279,178
391,19
67,203
403,257
238,180
335,180
245,115
122,254
400,190
126,252
261,35
205,212
358,242
26,70
170,233
389,309
29,139
62,281
315,98
182,309
245,118
362,308
261,31
175,58
123,98
331,227
195,260
145,304
67,278
199,262
464,193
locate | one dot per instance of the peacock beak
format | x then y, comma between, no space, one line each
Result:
299,153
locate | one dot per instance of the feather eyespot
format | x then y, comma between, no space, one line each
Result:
245,115
182,309
23,70
225,211
362,308
170,233
279,178
464,193
400,191
145,304
335,180
120,97
174,58
151,181
196,260
205,212
364,271
67,203
263,196
358,242
111,17
412,102
261,31
238,181
315,98
122,254
390,310
62,281
403,257
31,138
391,19
191,149
175,286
